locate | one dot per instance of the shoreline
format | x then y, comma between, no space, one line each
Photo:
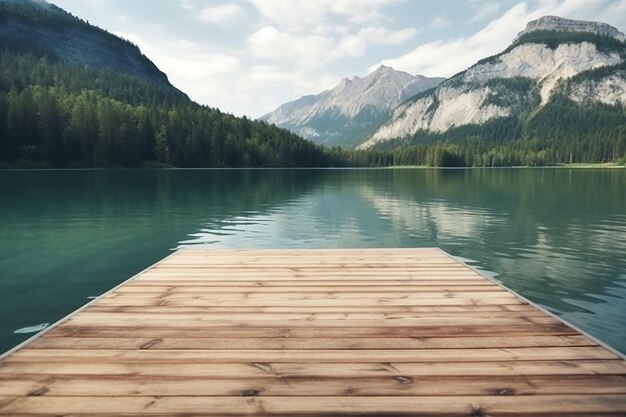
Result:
610,165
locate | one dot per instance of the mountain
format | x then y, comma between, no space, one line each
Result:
353,109
39,27
74,95
560,80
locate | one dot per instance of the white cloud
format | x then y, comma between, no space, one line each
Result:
221,14
384,36
187,5
305,50
297,15
258,86
359,10
483,10
123,17
440,22
350,45
313,50
445,58
265,77
568,8
614,13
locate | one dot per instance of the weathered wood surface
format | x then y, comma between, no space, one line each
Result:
377,332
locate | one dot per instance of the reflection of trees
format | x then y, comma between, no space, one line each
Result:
71,234
195,193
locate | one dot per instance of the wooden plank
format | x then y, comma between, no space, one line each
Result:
205,301
317,252
317,262
164,279
298,254
311,271
328,295
208,315
365,254
208,323
354,405
311,332
351,344
520,309
288,272
370,259
343,370
365,285
309,356
404,289
319,386
309,313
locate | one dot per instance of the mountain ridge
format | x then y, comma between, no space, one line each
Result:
352,109
561,24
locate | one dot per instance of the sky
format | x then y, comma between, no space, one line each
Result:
247,57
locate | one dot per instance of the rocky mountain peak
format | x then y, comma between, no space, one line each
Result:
351,110
561,24
383,69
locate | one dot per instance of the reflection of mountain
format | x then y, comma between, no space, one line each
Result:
433,220
515,230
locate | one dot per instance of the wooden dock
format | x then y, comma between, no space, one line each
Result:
377,332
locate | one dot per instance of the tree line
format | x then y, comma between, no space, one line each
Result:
561,132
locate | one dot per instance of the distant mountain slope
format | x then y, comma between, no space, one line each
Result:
41,28
73,95
351,110
571,70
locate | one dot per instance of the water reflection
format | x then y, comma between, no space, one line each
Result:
557,236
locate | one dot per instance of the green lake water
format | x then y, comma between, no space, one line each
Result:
557,236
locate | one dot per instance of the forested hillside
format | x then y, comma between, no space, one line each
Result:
59,113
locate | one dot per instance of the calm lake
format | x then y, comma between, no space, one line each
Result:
557,236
